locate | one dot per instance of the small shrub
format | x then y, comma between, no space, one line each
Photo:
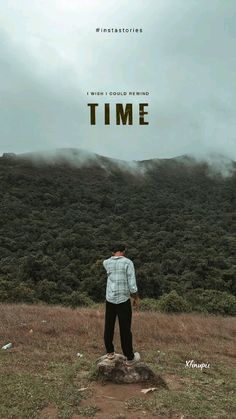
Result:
173,303
212,301
149,304
76,299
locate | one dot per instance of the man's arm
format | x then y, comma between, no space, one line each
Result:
131,278
132,283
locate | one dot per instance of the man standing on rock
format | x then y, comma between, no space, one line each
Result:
121,285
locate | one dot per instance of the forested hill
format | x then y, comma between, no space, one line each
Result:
59,219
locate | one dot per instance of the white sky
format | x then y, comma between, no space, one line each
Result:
51,55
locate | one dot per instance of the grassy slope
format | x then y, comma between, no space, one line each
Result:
42,368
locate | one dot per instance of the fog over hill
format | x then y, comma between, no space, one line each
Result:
217,163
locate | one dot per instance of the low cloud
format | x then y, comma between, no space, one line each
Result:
51,57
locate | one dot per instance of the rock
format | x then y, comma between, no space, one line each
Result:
79,355
7,346
117,372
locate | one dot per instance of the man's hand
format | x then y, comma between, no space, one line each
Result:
136,302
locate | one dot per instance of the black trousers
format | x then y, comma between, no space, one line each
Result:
124,313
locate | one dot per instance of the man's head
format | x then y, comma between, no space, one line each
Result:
118,248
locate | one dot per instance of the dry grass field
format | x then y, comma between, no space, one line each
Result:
42,376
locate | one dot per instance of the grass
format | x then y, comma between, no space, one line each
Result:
43,369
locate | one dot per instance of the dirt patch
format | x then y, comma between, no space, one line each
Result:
49,412
174,382
110,400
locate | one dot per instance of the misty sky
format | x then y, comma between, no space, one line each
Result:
51,55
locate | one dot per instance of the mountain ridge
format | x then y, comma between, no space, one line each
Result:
217,163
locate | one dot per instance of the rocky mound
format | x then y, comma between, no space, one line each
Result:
116,371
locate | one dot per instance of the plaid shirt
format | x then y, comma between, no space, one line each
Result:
121,280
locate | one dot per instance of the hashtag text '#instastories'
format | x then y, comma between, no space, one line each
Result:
119,30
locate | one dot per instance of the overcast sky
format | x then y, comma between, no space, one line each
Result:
51,55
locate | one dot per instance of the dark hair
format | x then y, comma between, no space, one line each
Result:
118,247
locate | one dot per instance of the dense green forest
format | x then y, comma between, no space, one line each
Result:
59,220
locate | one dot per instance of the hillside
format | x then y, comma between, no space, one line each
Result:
59,216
